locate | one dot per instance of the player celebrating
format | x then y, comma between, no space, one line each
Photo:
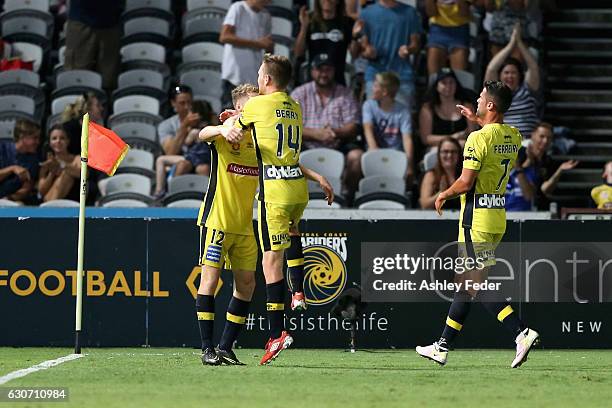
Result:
275,120
226,232
489,154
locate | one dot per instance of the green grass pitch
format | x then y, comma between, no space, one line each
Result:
155,377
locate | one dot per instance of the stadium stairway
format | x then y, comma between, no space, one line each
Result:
578,68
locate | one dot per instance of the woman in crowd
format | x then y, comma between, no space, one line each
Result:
523,112
326,30
72,118
443,175
439,117
60,173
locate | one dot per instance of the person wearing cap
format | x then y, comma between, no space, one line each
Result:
439,116
331,116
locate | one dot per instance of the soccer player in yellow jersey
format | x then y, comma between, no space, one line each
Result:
226,232
275,122
602,194
488,156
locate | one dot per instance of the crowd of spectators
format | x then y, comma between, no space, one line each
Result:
358,90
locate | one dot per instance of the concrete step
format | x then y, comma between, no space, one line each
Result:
578,57
593,15
580,96
571,29
580,107
600,159
592,125
594,148
584,83
577,44
592,176
580,70
583,4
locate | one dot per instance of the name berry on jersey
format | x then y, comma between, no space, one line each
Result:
286,113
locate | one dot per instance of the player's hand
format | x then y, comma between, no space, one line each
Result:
439,204
266,43
404,51
223,116
21,172
304,17
568,165
327,189
468,113
232,135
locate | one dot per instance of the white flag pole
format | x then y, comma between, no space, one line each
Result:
81,245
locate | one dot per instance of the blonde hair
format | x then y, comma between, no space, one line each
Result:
279,68
80,107
243,90
389,81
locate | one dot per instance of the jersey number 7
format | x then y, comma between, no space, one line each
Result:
291,143
504,163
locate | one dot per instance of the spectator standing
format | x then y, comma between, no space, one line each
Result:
390,35
447,169
523,112
505,15
61,172
331,117
19,162
93,38
439,117
246,33
387,123
326,30
448,39
602,194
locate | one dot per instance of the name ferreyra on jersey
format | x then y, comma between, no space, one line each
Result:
275,121
491,151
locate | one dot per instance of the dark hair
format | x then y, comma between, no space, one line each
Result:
500,95
433,96
317,14
24,127
203,109
517,64
179,89
438,171
279,68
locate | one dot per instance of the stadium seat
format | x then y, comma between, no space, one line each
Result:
281,8
430,160
19,76
25,83
60,203
124,203
141,136
136,103
17,103
141,82
20,26
61,59
147,29
218,4
59,104
282,30
202,52
188,186
381,205
387,162
143,51
40,5
6,130
120,186
78,82
202,25
29,52
148,8
327,162
186,203
376,188
138,162
203,82
281,49
8,203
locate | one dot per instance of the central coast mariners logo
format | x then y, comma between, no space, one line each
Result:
324,266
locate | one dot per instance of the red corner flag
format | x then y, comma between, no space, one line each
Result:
106,149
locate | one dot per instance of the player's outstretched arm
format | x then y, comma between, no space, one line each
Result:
462,185
323,183
210,133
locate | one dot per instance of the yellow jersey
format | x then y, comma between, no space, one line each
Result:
602,195
228,204
492,152
276,126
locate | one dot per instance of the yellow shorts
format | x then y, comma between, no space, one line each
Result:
273,223
238,252
477,244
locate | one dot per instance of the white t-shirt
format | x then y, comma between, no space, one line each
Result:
240,64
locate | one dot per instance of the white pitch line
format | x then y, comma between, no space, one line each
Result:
38,367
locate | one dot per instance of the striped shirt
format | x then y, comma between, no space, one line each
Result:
523,112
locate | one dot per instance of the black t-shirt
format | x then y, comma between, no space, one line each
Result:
96,14
331,37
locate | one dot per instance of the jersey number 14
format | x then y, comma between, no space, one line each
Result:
293,144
